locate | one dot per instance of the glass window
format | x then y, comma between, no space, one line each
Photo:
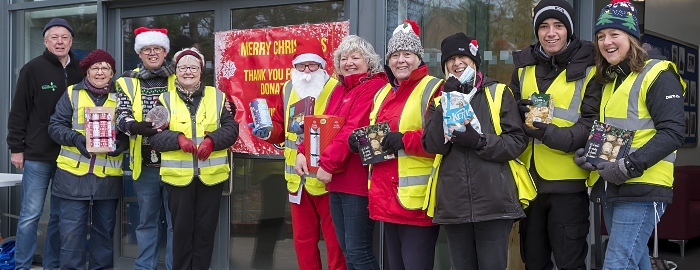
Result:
183,30
249,18
500,27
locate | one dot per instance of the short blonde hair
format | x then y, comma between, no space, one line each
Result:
353,43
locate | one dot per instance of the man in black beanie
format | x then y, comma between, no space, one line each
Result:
562,65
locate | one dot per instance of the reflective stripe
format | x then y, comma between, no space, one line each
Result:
290,144
401,153
670,158
572,113
219,101
633,104
166,100
290,170
522,78
129,87
413,180
287,93
117,164
190,163
75,99
492,91
630,124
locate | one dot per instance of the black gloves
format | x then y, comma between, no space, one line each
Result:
580,160
122,144
468,138
538,133
452,84
352,143
614,172
523,107
79,142
393,141
143,128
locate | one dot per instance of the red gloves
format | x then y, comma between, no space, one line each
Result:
205,148
186,144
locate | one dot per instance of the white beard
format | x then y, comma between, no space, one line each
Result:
311,84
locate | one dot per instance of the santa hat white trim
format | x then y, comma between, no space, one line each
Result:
309,57
151,38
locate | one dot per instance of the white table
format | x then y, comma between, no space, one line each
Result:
10,179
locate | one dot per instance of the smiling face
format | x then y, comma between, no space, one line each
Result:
552,35
188,72
353,63
58,41
152,56
100,74
402,63
457,64
613,44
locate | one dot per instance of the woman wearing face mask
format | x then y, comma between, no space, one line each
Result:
476,199
360,76
410,234
644,93
194,159
89,185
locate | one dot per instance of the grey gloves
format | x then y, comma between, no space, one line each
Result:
580,160
614,172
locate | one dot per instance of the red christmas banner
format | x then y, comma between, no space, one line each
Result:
255,63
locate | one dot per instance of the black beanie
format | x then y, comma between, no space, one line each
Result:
558,9
459,44
58,22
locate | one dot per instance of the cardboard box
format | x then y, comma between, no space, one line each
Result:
298,110
607,143
369,140
319,132
100,132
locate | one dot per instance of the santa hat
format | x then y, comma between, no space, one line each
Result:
405,38
151,36
619,14
309,50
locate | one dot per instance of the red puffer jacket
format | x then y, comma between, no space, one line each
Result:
383,203
352,99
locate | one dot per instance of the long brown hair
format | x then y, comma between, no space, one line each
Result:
637,58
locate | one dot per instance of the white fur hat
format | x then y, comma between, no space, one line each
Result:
151,36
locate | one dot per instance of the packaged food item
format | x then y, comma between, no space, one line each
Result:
319,131
607,143
261,113
370,140
541,110
159,116
456,111
100,133
298,110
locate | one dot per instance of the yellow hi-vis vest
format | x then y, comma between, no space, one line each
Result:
626,108
178,167
312,185
132,88
70,159
523,180
414,171
567,98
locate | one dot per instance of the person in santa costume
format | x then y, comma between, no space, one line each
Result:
137,94
309,197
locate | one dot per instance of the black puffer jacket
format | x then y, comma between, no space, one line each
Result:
476,184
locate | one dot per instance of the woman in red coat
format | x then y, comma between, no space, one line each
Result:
361,77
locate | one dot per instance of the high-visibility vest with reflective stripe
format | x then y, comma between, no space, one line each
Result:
523,180
177,167
626,108
312,185
70,159
414,171
132,88
567,98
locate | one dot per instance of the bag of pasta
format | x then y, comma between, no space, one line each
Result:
541,110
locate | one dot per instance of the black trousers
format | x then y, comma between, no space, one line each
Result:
410,247
555,224
480,245
194,210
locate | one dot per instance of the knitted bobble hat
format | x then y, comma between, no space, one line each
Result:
557,9
96,56
405,38
619,14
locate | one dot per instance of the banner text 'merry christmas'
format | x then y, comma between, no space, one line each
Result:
276,47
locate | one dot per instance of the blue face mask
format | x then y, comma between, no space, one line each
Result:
467,75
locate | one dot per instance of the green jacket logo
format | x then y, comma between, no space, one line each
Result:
49,86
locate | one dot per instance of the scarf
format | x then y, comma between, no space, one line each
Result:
143,73
95,90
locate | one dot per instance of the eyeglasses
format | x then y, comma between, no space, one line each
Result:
152,50
193,69
302,67
98,69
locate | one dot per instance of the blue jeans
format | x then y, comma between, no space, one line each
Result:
152,198
101,220
36,179
354,229
630,224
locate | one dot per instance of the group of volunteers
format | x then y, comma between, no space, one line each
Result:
468,181
178,168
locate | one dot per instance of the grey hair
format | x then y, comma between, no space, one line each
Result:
353,43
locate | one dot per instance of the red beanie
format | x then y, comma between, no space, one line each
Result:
309,50
97,56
